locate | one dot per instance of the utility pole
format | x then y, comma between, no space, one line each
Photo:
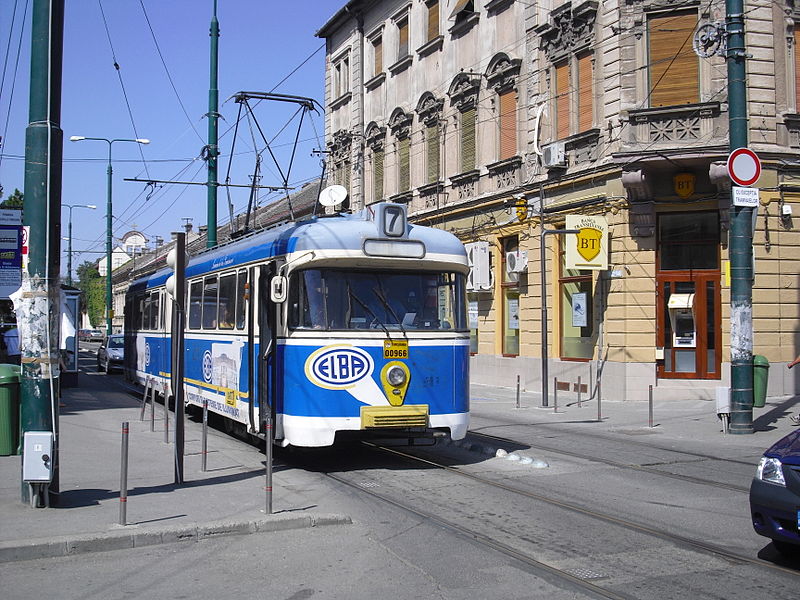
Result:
212,149
740,244
37,306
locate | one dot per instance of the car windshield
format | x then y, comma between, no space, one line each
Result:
116,342
337,299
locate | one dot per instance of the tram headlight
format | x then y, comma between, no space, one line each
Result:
396,376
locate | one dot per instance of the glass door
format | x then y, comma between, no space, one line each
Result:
688,296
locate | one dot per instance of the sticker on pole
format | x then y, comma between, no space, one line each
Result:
744,168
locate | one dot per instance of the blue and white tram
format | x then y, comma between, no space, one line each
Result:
347,323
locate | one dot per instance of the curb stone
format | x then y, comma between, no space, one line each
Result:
131,537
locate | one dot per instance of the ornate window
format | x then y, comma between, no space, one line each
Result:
429,110
341,76
375,141
674,68
339,152
502,76
400,125
566,40
464,96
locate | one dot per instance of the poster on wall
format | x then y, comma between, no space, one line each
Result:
472,312
579,309
588,249
10,252
513,313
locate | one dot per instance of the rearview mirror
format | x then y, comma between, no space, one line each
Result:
277,289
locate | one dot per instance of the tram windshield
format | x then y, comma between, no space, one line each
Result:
334,299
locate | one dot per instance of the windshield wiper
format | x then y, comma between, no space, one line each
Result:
369,310
378,291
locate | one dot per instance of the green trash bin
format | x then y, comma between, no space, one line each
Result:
760,378
9,409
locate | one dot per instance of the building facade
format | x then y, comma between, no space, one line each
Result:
501,120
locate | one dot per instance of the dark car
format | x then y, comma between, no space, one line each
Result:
775,495
90,335
111,353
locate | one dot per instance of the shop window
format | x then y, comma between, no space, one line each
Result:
575,288
510,287
688,241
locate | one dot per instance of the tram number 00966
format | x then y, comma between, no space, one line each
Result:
395,349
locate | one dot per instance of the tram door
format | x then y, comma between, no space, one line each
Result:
267,341
688,296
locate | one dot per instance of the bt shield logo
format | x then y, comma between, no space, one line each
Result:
338,367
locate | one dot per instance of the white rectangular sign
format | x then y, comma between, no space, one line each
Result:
743,196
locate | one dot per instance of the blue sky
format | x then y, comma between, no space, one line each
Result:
261,43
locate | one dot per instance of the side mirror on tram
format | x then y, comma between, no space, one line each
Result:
277,289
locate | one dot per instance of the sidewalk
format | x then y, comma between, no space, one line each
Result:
691,424
229,498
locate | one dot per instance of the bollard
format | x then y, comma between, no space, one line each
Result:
579,392
166,415
650,406
599,400
555,394
153,408
517,391
204,451
268,465
144,399
123,477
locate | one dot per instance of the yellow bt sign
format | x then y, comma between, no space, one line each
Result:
589,248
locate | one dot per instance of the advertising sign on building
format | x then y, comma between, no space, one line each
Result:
10,252
589,248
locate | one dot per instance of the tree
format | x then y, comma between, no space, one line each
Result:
93,299
15,200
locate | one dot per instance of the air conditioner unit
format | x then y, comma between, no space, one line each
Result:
516,262
479,277
554,155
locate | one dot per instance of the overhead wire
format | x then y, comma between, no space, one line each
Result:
16,67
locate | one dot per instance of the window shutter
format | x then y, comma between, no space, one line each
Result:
377,175
674,67
402,48
432,137
797,69
405,165
468,140
433,20
508,124
378,52
562,100
585,93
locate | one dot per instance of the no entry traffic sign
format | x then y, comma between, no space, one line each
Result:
744,168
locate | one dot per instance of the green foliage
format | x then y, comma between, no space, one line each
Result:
15,200
92,287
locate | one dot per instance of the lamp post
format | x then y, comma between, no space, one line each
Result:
69,239
79,138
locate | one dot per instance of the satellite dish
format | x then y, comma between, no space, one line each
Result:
333,195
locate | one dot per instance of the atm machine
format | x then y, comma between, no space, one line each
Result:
683,321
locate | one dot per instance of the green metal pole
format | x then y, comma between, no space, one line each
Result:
213,148
69,250
109,249
741,235
38,308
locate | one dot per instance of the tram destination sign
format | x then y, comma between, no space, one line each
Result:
745,196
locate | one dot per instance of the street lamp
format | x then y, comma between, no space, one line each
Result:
69,247
80,138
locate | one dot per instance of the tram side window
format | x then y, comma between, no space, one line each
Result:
240,294
154,310
210,298
227,301
146,312
195,304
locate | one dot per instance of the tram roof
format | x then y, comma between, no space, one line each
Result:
344,231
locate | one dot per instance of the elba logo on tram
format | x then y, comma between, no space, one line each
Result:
346,325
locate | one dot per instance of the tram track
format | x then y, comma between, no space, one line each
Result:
625,465
662,534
